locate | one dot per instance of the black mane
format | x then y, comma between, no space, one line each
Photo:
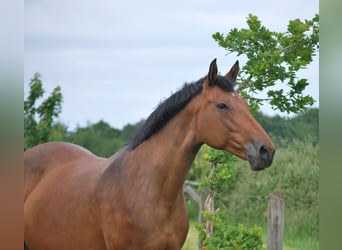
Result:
167,109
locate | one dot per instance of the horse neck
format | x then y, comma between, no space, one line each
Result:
169,153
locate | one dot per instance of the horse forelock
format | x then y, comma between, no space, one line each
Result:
168,108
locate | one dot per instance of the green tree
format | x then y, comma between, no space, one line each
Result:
303,126
39,118
273,61
100,138
129,130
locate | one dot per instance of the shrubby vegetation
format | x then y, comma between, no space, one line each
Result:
243,199
294,172
228,236
301,126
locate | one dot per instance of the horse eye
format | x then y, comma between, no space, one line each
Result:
221,106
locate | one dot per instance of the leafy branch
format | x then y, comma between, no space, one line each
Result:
274,60
38,120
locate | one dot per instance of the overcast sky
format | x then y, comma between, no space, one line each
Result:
116,60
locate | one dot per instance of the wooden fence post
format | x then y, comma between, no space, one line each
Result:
275,221
209,204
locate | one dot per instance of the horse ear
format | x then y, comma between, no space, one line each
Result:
233,72
212,72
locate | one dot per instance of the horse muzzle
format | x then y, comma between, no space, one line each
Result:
260,156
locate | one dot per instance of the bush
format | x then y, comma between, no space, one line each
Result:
230,237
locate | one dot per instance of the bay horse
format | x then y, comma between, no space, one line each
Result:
134,199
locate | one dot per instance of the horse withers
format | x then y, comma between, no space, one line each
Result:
134,199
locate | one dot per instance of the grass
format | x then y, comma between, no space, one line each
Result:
192,238
304,244
290,244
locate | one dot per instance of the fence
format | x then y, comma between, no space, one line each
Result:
275,226
275,214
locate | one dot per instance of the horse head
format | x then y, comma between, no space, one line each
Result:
225,121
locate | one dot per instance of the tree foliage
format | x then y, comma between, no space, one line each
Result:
101,139
303,126
272,58
39,118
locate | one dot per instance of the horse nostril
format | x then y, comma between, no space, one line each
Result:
264,154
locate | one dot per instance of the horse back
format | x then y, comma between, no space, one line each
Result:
43,158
